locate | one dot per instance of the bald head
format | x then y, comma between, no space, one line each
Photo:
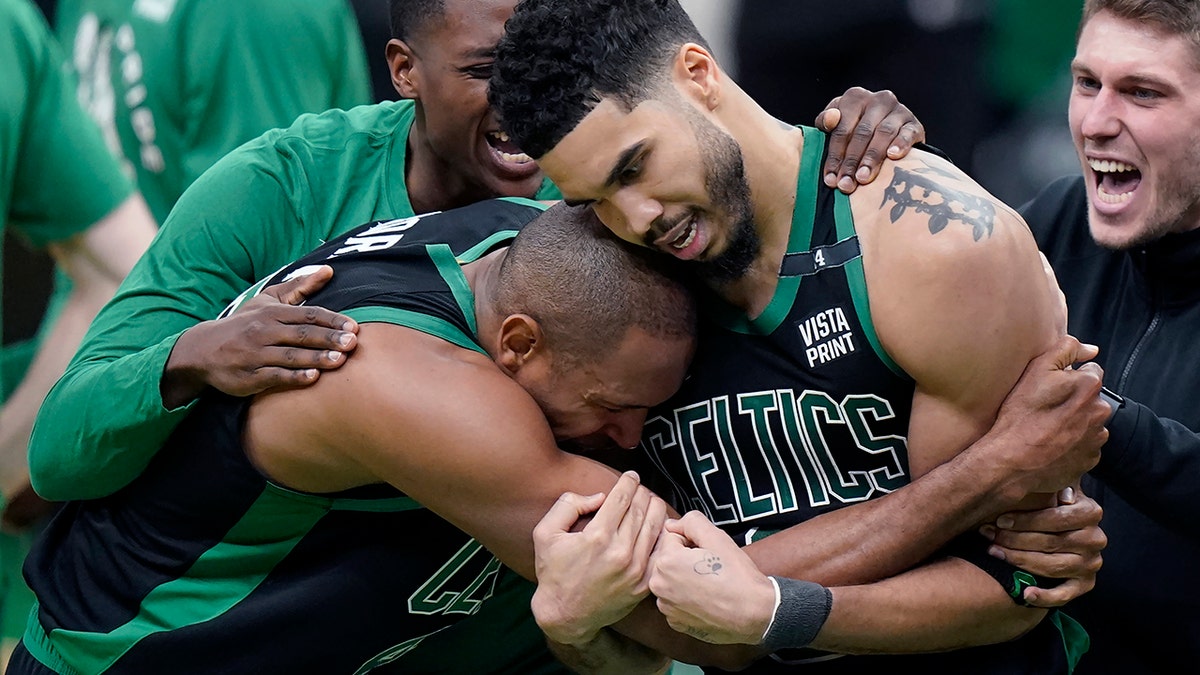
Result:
586,288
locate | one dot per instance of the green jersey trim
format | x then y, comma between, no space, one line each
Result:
857,280
548,191
409,319
525,201
451,271
387,505
799,240
272,527
475,252
1076,640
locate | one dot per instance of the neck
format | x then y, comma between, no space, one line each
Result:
771,151
483,276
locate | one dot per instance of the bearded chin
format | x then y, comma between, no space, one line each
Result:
735,261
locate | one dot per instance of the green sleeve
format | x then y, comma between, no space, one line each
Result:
104,420
253,66
57,169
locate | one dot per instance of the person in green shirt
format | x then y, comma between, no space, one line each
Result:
61,190
177,85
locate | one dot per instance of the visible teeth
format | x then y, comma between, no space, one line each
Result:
684,242
1109,198
1109,166
517,158
521,158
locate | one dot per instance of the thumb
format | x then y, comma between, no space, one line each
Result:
829,117
700,531
1069,351
566,511
300,284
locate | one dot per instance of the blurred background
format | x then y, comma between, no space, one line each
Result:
988,78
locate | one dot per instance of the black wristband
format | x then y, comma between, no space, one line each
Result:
800,613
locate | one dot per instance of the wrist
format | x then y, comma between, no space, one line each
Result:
572,636
559,624
182,379
801,609
985,473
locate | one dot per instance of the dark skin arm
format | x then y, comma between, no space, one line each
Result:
272,340
375,419
1049,429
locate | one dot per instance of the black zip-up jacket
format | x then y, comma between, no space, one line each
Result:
1142,308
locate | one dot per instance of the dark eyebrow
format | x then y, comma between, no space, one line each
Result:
623,161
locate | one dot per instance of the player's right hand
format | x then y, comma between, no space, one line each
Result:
864,128
592,577
1050,428
707,587
270,341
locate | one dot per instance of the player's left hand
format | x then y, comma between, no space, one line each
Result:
592,578
1060,542
864,127
707,587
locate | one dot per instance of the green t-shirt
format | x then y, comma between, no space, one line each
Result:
177,84
56,176
262,206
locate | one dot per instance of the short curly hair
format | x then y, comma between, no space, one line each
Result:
558,58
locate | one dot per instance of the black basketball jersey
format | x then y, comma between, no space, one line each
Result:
203,565
800,411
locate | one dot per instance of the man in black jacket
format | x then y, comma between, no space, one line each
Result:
1124,240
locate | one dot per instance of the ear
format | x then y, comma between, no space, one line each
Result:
697,74
521,341
401,64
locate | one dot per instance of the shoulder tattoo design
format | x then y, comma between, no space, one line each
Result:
921,191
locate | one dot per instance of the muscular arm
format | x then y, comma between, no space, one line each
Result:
450,430
942,293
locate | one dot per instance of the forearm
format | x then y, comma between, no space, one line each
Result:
883,537
646,625
100,425
1151,462
19,412
948,604
610,653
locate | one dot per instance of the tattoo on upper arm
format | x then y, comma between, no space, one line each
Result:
708,564
921,191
